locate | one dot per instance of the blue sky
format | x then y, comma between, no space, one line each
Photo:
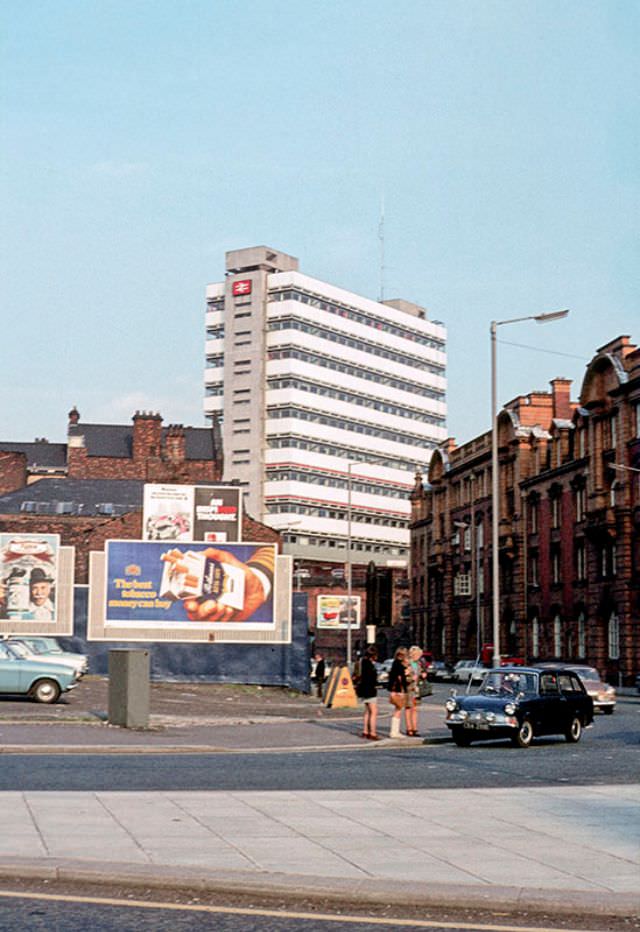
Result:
142,139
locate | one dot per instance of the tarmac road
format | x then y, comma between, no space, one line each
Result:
294,799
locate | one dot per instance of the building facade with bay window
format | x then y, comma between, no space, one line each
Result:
569,528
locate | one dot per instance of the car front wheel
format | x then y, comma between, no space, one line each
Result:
524,735
46,691
461,738
574,731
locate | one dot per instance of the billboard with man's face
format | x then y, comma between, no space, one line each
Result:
28,578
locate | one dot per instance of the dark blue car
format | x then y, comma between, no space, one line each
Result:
521,703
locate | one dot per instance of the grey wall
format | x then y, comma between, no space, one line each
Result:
263,664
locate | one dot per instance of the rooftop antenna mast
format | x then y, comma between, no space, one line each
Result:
381,240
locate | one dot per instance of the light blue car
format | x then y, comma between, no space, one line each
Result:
43,682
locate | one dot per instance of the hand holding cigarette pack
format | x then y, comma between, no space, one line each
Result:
193,575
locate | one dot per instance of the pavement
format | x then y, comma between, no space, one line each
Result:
565,849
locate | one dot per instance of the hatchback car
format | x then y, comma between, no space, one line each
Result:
603,695
49,647
42,681
468,671
521,703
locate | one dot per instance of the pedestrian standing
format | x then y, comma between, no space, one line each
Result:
320,674
398,686
417,673
368,692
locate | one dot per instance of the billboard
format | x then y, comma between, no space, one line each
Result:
333,611
151,584
28,578
192,512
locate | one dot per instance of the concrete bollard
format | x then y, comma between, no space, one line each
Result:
129,690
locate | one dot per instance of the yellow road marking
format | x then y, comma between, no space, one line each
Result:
277,913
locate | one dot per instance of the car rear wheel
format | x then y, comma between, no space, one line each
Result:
461,738
574,731
524,735
46,691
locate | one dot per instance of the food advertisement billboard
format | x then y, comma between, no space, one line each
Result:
191,585
333,611
28,577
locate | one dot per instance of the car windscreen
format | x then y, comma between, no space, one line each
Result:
499,683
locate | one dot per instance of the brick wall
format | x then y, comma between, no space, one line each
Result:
91,533
13,472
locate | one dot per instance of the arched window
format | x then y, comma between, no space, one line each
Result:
613,493
614,637
557,636
582,636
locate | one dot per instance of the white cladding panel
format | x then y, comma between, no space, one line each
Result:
340,295
392,367
353,412
322,494
214,346
338,465
347,439
351,328
213,376
298,368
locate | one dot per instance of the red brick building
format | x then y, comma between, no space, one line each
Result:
569,527
90,489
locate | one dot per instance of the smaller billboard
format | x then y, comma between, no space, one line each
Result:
210,513
28,577
333,611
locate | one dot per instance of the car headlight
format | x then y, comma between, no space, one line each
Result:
451,705
509,708
464,714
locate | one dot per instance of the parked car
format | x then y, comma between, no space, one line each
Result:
466,671
383,670
19,647
441,672
521,703
42,680
49,647
603,695
638,683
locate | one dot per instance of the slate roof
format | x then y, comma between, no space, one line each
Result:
40,454
117,440
75,497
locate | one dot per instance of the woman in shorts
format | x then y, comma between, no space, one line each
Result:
368,692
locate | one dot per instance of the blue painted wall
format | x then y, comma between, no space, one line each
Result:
263,664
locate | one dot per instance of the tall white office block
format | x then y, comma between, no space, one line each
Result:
306,378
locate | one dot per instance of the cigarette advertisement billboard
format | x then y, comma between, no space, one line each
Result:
28,577
211,513
333,611
192,585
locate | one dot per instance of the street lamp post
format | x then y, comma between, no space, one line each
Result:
349,583
350,465
495,488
